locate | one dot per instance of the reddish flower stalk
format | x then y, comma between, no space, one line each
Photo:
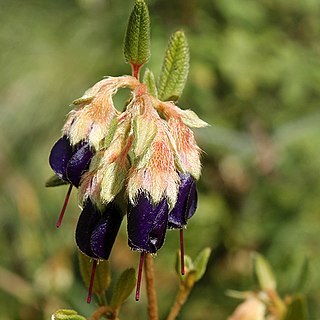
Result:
142,256
64,207
181,252
135,70
93,271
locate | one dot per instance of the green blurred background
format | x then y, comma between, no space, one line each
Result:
255,75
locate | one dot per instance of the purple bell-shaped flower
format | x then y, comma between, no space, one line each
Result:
69,163
184,209
96,233
147,225
186,204
97,229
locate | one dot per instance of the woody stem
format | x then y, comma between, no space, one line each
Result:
179,302
185,288
101,311
150,285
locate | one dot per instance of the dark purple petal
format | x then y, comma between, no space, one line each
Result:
105,232
186,204
79,163
147,224
87,222
59,157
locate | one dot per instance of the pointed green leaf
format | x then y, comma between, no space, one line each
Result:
65,314
175,68
200,263
123,287
264,273
297,309
142,161
102,275
83,100
137,38
55,181
144,132
113,180
112,129
149,81
192,120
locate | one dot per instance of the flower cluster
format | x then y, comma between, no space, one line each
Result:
142,162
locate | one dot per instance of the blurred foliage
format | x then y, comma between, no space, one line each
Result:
265,302
254,76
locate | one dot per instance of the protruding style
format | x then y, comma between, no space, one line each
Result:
93,272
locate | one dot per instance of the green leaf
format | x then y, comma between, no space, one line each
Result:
137,38
55,181
264,273
144,132
175,68
112,182
191,119
123,287
201,262
83,100
102,275
66,314
297,309
149,81
112,129
141,161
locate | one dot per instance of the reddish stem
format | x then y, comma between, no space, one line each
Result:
181,251
66,200
142,256
93,271
136,70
